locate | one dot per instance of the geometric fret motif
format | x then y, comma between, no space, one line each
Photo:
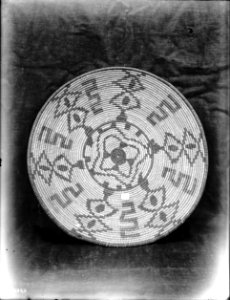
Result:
118,157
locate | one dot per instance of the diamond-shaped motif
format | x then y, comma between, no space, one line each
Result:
62,167
172,147
164,216
76,118
92,224
66,103
44,168
100,208
153,200
190,146
125,101
130,83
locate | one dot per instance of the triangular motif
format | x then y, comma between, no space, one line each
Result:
92,224
66,103
125,101
130,83
62,167
191,147
44,168
172,147
76,118
163,217
100,208
153,200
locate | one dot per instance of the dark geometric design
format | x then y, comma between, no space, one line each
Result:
175,148
67,105
49,136
126,100
191,146
153,200
172,147
76,119
161,214
177,178
62,93
118,155
91,224
98,209
101,208
138,150
163,217
61,167
163,110
128,220
44,168
155,148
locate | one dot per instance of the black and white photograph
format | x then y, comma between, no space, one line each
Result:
114,150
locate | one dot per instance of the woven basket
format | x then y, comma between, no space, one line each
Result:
117,156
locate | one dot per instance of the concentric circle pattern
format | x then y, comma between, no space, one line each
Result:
117,156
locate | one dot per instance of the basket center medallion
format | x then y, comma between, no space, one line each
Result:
118,155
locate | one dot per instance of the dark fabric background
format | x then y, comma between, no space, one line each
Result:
185,43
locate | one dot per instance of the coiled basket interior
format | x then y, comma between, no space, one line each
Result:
118,156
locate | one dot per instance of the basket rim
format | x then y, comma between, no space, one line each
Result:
98,242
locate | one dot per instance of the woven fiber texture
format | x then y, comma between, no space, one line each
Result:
118,157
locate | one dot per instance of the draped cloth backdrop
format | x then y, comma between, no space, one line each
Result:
46,44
